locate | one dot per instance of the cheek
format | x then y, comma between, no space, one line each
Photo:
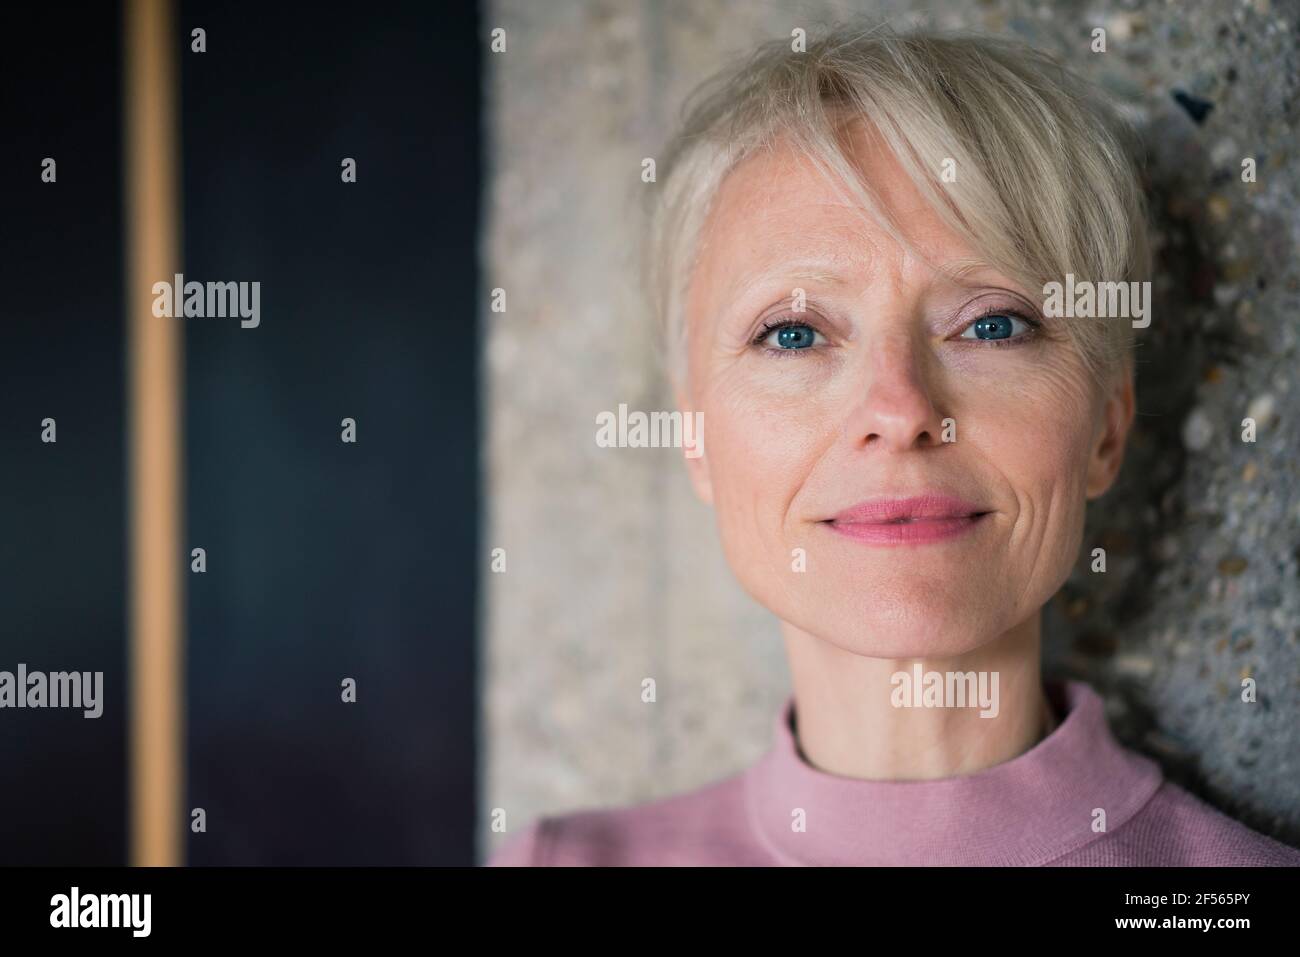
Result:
1041,451
1057,421
1035,427
760,453
1037,439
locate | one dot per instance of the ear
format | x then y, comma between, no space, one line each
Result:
1107,453
697,463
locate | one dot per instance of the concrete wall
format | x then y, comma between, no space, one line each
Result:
613,571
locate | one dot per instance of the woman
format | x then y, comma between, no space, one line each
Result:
851,250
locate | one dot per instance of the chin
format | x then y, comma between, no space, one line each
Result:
909,632
901,618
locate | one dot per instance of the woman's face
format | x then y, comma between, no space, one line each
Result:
896,381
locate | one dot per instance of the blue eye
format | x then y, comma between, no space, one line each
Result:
795,337
790,336
995,326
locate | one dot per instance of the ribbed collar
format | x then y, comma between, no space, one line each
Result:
1026,811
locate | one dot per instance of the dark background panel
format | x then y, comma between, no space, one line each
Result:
329,560
62,527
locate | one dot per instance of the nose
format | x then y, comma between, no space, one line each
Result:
896,409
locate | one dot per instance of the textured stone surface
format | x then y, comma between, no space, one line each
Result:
614,573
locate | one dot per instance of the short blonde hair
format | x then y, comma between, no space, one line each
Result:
1048,182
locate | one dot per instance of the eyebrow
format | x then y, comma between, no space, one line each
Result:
960,270
824,272
816,274
805,272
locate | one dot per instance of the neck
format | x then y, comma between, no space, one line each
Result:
848,721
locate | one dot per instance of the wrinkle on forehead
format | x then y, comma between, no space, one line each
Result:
779,211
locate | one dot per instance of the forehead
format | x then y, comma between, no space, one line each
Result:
777,211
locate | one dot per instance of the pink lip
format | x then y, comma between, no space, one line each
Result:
902,521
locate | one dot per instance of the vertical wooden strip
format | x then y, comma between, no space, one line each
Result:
154,383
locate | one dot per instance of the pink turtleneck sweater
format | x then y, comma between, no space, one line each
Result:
1034,810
